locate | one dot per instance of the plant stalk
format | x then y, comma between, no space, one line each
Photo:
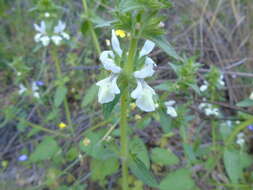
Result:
91,28
65,101
124,114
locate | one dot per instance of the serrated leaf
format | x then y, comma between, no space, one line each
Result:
165,122
165,46
139,169
138,148
163,157
90,95
102,168
178,180
45,150
60,94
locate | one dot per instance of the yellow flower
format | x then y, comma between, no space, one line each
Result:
120,33
132,106
62,125
86,141
137,117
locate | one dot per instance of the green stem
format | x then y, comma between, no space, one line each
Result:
65,102
91,28
124,113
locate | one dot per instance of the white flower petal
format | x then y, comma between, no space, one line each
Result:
106,58
56,39
147,48
65,35
45,40
40,28
59,27
170,103
22,89
116,44
137,91
251,96
144,96
37,37
147,70
171,111
203,87
107,89
36,95
34,87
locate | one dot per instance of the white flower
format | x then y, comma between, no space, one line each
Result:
170,109
56,39
144,96
147,70
116,44
209,109
221,80
204,87
59,33
107,89
22,89
147,48
35,89
47,14
41,36
251,96
107,58
240,139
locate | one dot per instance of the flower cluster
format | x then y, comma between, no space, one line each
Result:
209,109
34,89
43,36
205,85
170,109
108,88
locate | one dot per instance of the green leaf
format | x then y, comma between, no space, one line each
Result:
96,148
245,103
163,156
232,165
165,46
107,108
59,96
165,122
102,168
178,180
90,95
138,148
139,169
45,150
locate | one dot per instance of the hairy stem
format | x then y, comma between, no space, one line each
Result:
124,114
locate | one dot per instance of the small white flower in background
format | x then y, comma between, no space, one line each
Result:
161,24
42,35
251,96
47,15
240,139
204,86
59,33
22,158
144,93
108,87
35,90
221,80
170,109
237,122
209,109
229,123
22,89
19,73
